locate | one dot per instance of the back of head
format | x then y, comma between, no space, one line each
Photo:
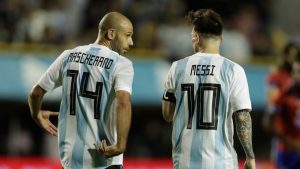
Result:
113,20
206,22
115,32
291,54
291,49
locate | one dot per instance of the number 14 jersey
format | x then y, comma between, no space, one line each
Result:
89,75
208,89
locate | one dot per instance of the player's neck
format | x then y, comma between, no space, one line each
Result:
209,49
209,45
103,42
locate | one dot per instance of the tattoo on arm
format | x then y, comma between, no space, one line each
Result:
244,131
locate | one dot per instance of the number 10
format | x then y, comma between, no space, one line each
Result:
207,98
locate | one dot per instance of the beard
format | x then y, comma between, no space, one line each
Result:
116,46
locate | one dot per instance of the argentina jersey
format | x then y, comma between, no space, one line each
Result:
208,89
90,75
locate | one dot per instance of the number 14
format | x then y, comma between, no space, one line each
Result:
96,95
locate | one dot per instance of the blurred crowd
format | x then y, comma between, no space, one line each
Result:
252,28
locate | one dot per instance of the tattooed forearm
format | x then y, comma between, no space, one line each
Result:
244,131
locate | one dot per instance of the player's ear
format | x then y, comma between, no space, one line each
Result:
111,33
198,39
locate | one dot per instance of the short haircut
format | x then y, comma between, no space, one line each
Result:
291,45
206,22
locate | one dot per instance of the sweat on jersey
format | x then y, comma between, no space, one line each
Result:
208,89
90,76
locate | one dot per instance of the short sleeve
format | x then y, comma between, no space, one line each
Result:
170,81
239,98
52,78
124,76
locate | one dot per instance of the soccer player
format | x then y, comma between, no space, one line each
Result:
202,93
284,121
95,112
280,80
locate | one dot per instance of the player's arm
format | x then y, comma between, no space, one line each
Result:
41,117
244,132
273,94
51,79
169,99
272,121
123,109
168,106
123,119
168,110
123,86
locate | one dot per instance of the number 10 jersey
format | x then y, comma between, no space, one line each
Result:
89,75
208,89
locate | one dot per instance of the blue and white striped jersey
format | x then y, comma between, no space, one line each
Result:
89,75
208,89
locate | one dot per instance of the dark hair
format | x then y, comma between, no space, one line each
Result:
289,47
206,21
297,54
286,65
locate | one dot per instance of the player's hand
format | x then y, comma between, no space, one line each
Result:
249,164
43,120
108,151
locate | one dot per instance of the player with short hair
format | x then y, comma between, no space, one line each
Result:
279,82
280,79
95,111
202,93
284,119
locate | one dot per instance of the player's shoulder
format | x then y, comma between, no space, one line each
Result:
123,59
181,61
89,47
230,62
74,49
232,65
79,48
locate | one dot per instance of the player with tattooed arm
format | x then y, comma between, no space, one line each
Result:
203,92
